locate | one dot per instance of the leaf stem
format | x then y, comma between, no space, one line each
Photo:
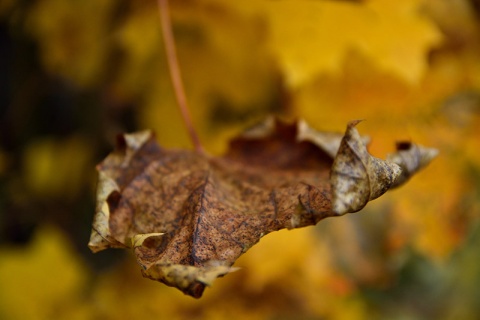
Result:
175,75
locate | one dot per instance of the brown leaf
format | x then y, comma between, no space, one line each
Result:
189,216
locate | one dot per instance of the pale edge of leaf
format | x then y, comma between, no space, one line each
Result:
101,237
329,142
357,177
181,276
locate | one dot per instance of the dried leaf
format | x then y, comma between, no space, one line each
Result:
189,216
411,158
357,177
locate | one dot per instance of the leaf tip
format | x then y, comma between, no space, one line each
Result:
139,239
411,158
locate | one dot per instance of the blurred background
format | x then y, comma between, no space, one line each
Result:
74,74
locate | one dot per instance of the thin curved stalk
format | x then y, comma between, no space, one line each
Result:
175,75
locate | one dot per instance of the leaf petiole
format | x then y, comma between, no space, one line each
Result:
175,73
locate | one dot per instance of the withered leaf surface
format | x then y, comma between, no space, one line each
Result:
189,216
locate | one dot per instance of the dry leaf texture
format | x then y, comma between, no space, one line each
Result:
189,216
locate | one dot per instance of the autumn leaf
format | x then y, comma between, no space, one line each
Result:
189,216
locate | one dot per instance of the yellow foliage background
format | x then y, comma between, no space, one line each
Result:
76,73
